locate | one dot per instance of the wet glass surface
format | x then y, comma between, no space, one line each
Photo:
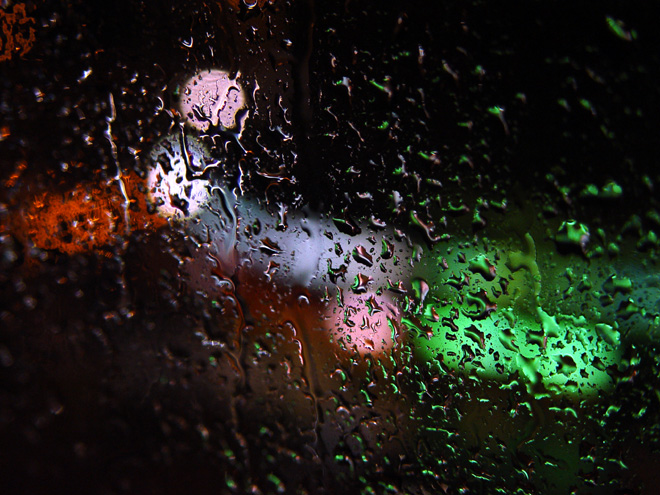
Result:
297,247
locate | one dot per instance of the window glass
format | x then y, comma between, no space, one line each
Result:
298,246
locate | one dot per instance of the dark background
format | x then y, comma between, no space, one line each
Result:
111,392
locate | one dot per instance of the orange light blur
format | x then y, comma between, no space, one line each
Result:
16,32
85,218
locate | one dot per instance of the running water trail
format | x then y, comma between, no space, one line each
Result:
119,177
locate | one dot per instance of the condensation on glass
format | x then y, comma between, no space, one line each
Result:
287,246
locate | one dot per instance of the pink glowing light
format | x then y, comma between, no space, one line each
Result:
212,98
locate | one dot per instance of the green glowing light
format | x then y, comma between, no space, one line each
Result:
427,156
484,316
573,233
379,86
618,28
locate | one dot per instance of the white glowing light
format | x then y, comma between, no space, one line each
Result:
173,183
